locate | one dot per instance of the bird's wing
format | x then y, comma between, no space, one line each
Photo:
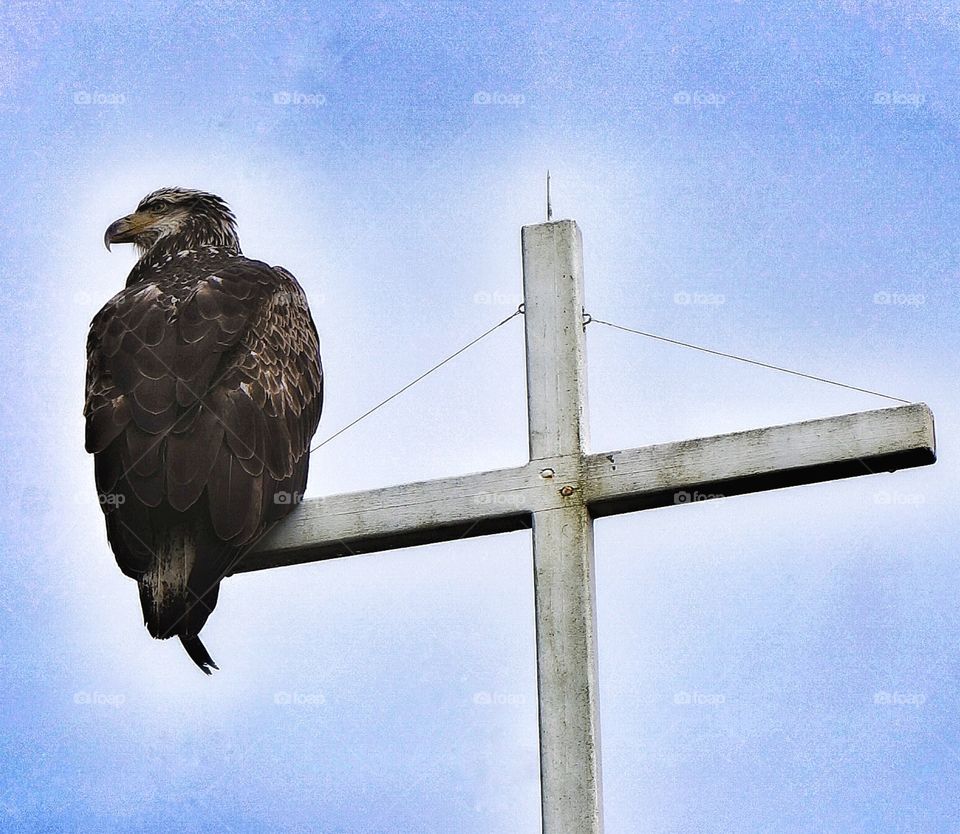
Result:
269,402
209,389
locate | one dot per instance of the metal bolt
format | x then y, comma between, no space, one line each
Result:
567,491
546,473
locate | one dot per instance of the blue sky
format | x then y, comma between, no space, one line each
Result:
793,169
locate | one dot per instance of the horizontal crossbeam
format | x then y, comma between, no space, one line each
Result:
498,501
813,451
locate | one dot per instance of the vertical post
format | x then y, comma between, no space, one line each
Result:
556,354
567,673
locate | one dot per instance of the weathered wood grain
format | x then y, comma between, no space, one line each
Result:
563,568
610,482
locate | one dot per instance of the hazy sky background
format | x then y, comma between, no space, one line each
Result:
792,171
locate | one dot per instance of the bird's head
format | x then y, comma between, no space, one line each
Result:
176,218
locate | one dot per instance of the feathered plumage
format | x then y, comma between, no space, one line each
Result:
204,388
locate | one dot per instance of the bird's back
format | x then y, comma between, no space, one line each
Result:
204,388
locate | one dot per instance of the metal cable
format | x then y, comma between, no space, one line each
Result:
749,361
368,412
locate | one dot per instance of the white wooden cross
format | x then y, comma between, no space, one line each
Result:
563,488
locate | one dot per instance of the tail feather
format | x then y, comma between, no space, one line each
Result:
180,589
198,653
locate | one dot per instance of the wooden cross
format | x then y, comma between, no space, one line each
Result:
563,488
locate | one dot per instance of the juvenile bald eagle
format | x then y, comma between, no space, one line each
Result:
204,388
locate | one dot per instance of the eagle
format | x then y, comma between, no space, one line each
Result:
204,387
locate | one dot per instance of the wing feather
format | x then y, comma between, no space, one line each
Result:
202,395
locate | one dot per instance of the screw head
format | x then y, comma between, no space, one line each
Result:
567,491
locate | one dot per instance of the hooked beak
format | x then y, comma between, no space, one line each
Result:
126,229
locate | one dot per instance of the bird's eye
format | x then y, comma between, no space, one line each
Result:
158,205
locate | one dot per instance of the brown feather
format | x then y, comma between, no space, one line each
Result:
204,388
